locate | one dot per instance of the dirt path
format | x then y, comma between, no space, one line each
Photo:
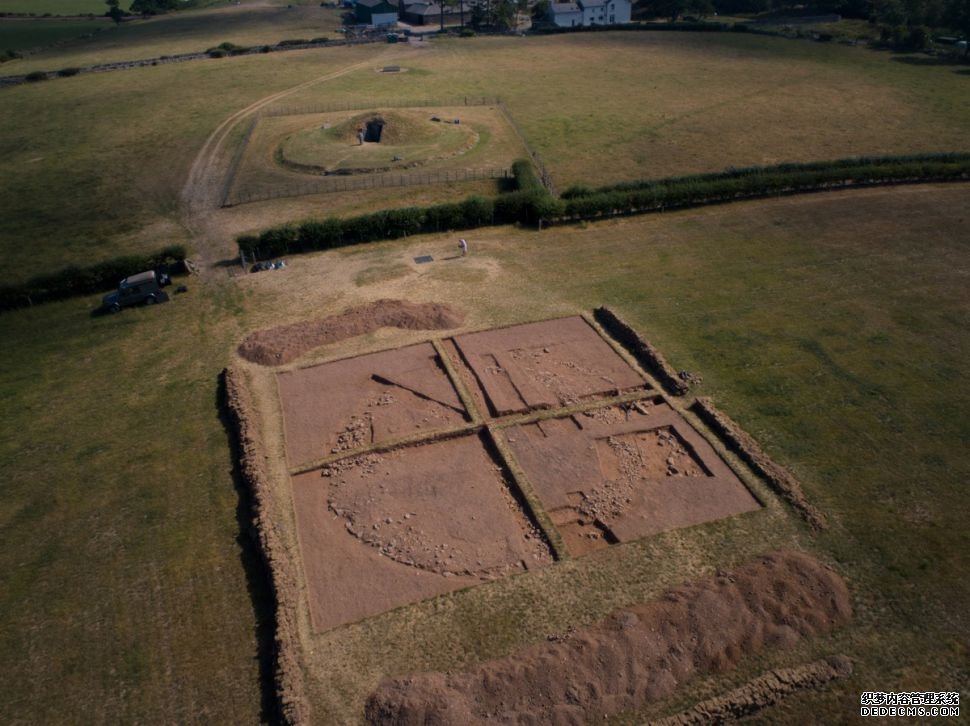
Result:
201,196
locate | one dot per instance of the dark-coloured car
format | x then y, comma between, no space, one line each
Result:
145,288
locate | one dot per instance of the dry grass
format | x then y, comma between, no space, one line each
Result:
488,142
833,327
809,319
609,107
682,103
248,24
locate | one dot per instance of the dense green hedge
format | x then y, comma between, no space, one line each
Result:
528,204
524,175
73,281
532,205
735,184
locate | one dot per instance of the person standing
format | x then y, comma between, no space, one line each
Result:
463,246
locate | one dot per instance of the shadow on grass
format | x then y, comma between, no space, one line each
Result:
259,580
932,60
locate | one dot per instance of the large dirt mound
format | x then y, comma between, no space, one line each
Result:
635,656
277,346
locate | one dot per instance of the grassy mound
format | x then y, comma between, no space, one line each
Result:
408,139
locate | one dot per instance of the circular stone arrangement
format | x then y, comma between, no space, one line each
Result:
404,518
376,141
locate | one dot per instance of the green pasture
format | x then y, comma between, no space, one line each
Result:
601,108
408,135
22,34
682,103
193,32
124,593
100,159
833,327
54,7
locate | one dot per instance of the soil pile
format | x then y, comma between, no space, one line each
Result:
635,656
781,480
277,346
762,692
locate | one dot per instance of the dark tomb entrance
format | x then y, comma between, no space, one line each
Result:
373,130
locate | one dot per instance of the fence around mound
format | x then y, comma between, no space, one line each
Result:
378,103
337,182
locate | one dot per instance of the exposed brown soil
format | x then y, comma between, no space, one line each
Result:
277,346
349,404
382,530
636,656
289,674
762,692
617,474
544,365
648,356
780,479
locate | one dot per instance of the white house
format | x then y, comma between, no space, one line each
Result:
590,12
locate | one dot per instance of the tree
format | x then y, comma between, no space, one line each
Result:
671,9
540,10
504,14
153,7
114,12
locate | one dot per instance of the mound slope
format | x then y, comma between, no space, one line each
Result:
635,656
277,346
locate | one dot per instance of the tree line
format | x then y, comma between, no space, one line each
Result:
903,24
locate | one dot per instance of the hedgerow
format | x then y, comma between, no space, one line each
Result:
735,184
532,205
72,281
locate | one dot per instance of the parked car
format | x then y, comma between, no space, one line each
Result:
145,288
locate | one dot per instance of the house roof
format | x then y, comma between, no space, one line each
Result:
420,7
592,3
373,3
560,8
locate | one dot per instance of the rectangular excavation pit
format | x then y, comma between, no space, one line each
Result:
349,404
619,473
382,530
544,365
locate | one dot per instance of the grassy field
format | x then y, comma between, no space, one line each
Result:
124,592
191,32
54,7
489,142
833,327
96,178
18,34
656,104
688,106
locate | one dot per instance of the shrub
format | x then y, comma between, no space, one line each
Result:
524,174
577,190
72,281
279,240
477,211
314,235
66,72
36,76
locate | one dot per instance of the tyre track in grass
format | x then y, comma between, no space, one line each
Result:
201,194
